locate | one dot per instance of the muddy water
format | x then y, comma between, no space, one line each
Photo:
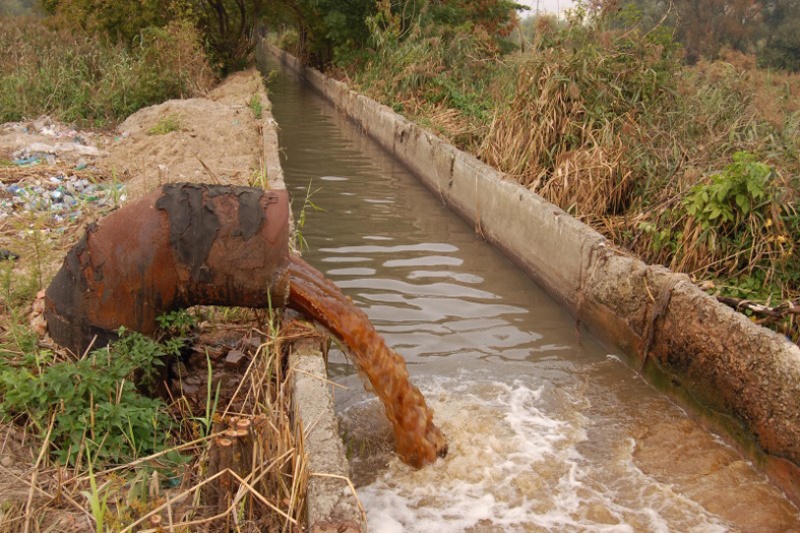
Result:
547,431
418,442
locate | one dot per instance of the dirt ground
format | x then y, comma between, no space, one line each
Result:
218,139
59,179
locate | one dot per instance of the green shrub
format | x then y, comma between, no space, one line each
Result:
91,405
76,77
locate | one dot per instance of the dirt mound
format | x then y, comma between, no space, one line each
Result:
214,140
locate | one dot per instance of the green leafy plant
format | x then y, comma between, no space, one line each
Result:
731,196
167,124
179,322
94,401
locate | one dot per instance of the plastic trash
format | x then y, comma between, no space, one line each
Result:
25,161
6,255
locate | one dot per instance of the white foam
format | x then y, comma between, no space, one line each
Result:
514,465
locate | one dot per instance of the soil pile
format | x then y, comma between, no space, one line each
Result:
213,140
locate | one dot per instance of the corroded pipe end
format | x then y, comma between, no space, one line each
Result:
184,244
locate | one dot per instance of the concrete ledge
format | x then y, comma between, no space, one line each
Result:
270,160
739,378
331,505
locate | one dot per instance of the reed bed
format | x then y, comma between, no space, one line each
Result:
694,167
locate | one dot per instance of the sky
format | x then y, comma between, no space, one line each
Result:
553,6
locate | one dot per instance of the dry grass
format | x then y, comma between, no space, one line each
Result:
268,495
609,125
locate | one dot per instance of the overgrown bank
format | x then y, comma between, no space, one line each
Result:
50,68
126,437
690,167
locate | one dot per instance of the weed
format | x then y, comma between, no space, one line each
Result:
256,106
177,323
259,177
166,124
94,400
299,239
98,503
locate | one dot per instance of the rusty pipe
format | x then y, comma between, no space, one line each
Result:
184,244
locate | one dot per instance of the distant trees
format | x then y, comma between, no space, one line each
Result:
782,27
326,29
15,8
329,29
768,28
705,26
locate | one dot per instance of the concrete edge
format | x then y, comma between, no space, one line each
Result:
331,505
270,147
738,378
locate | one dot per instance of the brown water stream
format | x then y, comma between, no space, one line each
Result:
546,431
418,441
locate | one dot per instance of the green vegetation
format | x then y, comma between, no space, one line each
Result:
90,408
693,167
255,106
74,76
226,26
165,125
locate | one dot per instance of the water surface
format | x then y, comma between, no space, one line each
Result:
548,430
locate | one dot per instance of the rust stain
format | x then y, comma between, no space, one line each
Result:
184,244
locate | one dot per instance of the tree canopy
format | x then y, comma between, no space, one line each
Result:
768,28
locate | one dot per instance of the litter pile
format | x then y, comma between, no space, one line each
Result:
66,196
49,168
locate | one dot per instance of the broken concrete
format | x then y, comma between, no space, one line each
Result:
741,379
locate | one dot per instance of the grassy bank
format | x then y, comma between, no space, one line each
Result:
51,68
694,167
123,438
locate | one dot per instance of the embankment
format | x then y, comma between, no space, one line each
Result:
741,379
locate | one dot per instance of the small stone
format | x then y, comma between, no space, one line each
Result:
179,369
234,359
188,388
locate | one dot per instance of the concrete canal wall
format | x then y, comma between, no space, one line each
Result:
740,379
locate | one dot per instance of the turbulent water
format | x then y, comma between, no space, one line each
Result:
418,442
547,430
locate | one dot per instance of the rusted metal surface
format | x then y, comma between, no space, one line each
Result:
184,244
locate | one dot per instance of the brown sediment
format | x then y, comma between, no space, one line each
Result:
418,440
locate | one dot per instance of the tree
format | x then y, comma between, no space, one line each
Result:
782,27
229,29
705,26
